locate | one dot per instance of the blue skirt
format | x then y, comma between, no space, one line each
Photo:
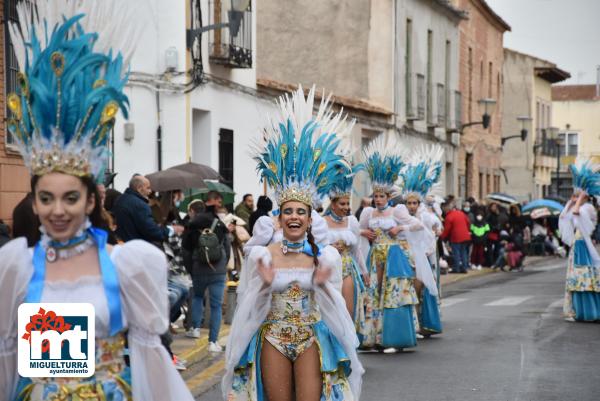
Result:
430,313
335,367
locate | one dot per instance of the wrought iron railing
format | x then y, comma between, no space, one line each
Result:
231,45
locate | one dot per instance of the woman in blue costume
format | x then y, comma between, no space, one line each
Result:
344,235
291,336
390,318
70,90
576,224
419,179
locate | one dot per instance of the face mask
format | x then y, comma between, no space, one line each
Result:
479,218
221,215
177,203
467,209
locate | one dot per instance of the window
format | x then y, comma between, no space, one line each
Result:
441,105
420,96
569,143
408,62
446,109
458,108
429,76
226,156
230,45
481,186
490,79
470,88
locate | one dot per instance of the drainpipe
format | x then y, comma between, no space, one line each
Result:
158,132
598,81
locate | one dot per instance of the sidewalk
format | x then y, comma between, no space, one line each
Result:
205,369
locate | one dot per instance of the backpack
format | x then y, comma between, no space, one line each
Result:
209,248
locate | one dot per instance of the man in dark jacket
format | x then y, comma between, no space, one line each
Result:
134,217
207,276
457,231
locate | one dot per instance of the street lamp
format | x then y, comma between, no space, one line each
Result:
488,105
235,14
525,127
557,140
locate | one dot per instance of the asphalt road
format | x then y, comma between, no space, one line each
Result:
504,340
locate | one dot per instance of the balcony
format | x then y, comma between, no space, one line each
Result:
231,45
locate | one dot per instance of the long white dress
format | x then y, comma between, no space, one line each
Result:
142,271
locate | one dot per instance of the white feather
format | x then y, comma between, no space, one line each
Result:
113,20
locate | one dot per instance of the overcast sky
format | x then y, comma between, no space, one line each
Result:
565,32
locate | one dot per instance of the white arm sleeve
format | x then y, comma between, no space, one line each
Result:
403,217
357,251
15,273
143,280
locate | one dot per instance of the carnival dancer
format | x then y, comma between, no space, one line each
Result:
577,222
391,319
70,89
292,337
419,179
344,235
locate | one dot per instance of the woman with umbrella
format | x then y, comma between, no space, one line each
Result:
577,222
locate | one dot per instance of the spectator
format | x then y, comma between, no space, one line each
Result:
245,208
4,233
479,232
165,209
456,230
25,221
110,199
468,211
493,249
364,202
109,225
263,207
134,217
207,276
516,222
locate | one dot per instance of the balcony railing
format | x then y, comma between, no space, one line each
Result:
232,49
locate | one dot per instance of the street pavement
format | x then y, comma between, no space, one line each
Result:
504,340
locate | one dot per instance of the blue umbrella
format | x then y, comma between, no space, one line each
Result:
553,206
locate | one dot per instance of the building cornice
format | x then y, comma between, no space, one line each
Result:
451,10
491,15
347,102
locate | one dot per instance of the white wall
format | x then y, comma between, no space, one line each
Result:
190,124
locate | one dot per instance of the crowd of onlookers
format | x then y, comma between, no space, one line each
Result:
494,235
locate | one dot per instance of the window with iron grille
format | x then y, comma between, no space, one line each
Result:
441,105
226,156
11,66
231,45
421,96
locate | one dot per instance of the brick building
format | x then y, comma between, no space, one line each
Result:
14,177
480,77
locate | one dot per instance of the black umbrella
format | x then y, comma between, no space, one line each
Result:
199,170
172,179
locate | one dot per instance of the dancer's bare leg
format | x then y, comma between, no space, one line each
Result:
307,375
277,374
348,294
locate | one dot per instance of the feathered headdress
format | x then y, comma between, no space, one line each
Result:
73,59
422,171
586,176
343,186
299,156
383,162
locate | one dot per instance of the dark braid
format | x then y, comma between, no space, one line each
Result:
313,246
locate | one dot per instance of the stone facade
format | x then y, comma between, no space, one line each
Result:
362,52
527,92
480,76
14,177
